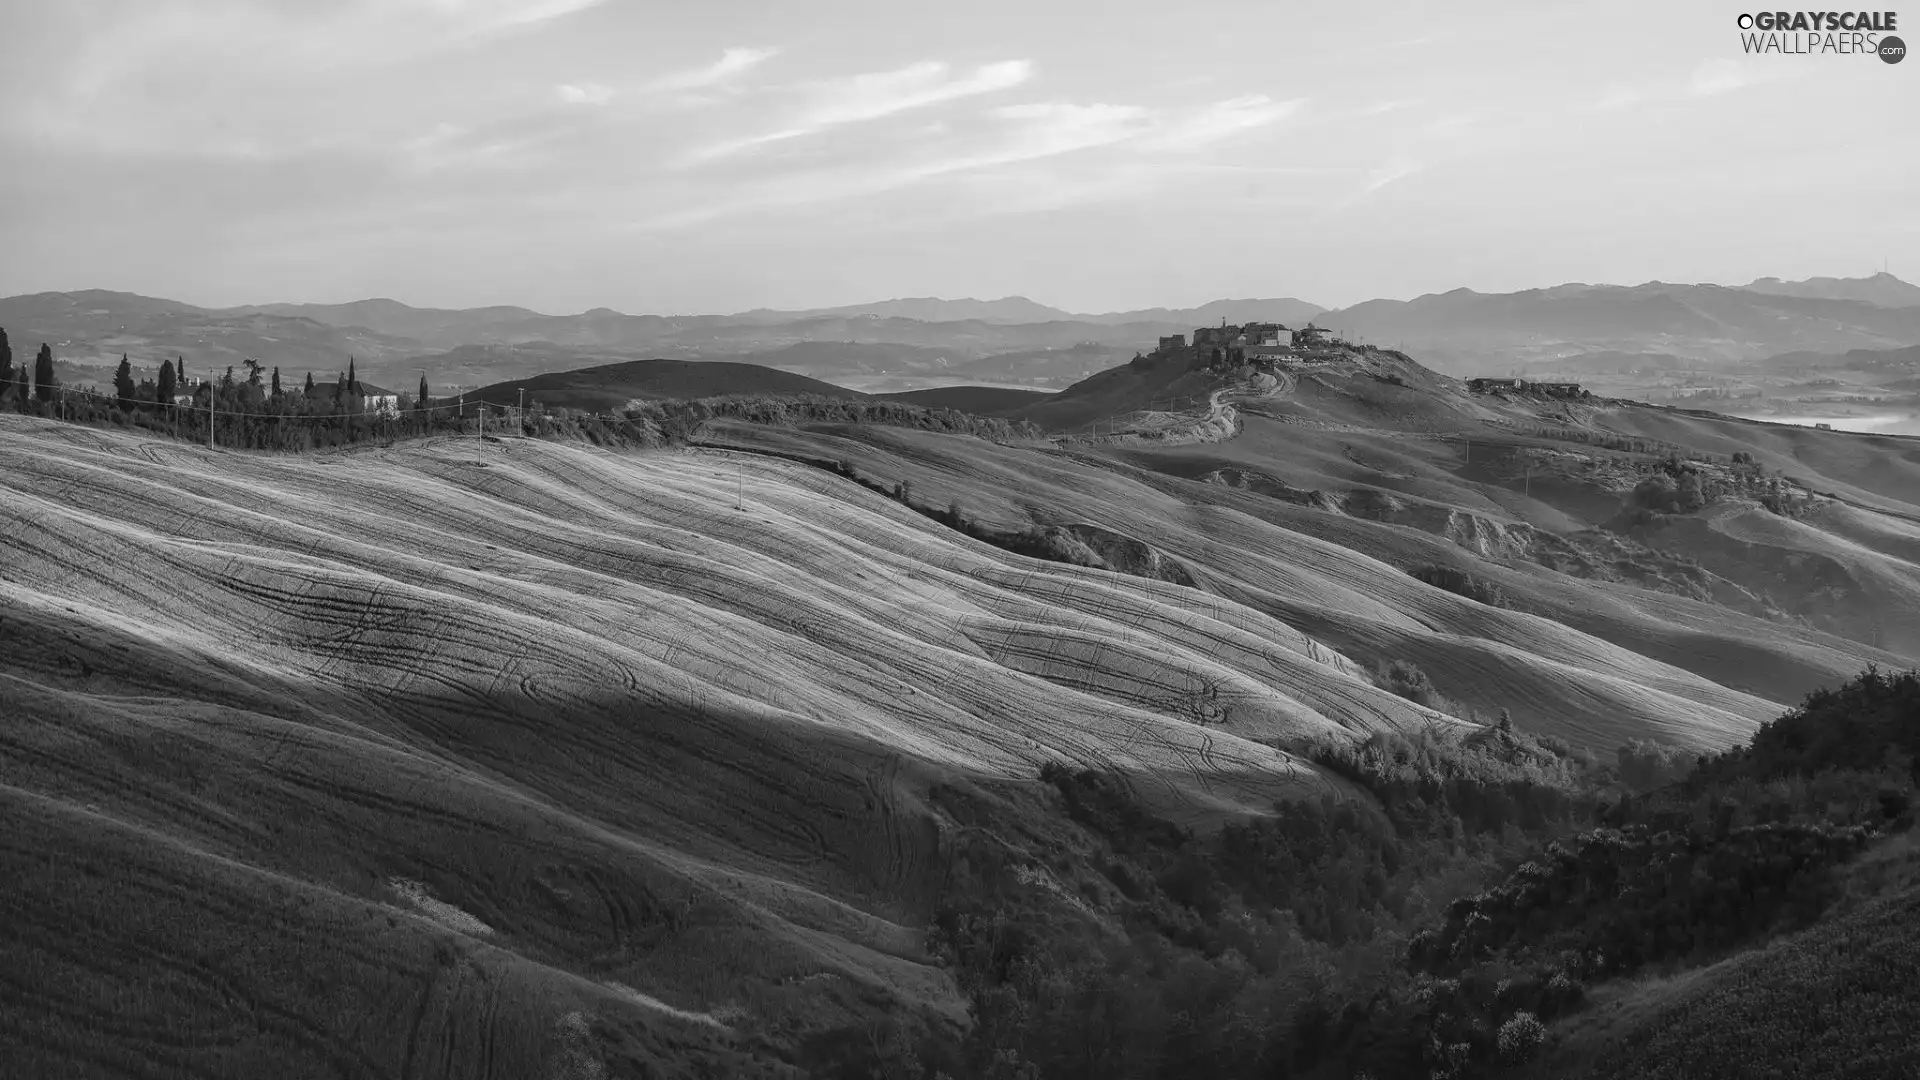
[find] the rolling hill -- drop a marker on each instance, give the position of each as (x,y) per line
(521,757)
(609,387)
(979,400)
(463,730)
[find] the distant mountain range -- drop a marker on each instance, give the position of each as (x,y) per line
(1460,331)
(1882,288)
(1464,329)
(1018,310)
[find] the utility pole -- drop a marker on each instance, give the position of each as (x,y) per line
(522,414)
(739,484)
(211,389)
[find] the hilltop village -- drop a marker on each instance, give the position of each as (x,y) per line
(1266,346)
(1256,343)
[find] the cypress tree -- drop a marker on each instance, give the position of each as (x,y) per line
(123,383)
(423,391)
(6,363)
(43,374)
(353,381)
(169,385)
(276,382)
(309,390)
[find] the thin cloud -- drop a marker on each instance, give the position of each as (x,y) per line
(1723,75)
(1026,132)
(584,93)
(491,16)
(1712,78)
(871,96)
(1439,138)
(1223,120)
(1396,168)
(732,64)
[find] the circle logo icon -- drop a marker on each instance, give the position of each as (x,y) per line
(1892,50)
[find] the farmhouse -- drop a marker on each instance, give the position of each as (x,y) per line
(375,400)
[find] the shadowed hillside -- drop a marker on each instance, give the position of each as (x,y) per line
(531,758)
(980,400)
(528,729)
(609,388)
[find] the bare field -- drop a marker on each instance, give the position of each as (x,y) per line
(1666,666)
(563,709)
(542,760)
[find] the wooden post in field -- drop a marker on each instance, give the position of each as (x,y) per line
(739,484)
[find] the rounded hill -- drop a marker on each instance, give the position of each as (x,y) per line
(611,386)
(980,400)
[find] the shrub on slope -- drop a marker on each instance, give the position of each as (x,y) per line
(1461,583)
(1746,847)
(1120,945)
(1835,1001)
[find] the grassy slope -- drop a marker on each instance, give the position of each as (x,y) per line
(979,400)
(608,388)
(1616,662)
(514,674)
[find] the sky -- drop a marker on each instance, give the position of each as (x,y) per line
(662,156)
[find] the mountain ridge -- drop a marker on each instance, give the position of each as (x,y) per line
(1456,331)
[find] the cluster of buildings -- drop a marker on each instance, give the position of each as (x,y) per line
(1527,386)
(1253,342)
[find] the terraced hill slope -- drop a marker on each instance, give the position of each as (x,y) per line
(468,729)
(520,758)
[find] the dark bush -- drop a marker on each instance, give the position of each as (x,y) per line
(1461,583)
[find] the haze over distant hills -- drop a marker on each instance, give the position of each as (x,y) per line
(1460,331)
(1882,288)
(1701,322)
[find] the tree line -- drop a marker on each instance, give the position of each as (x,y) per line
(252,408)
(248,407)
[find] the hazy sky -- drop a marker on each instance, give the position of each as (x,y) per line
(720,155)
